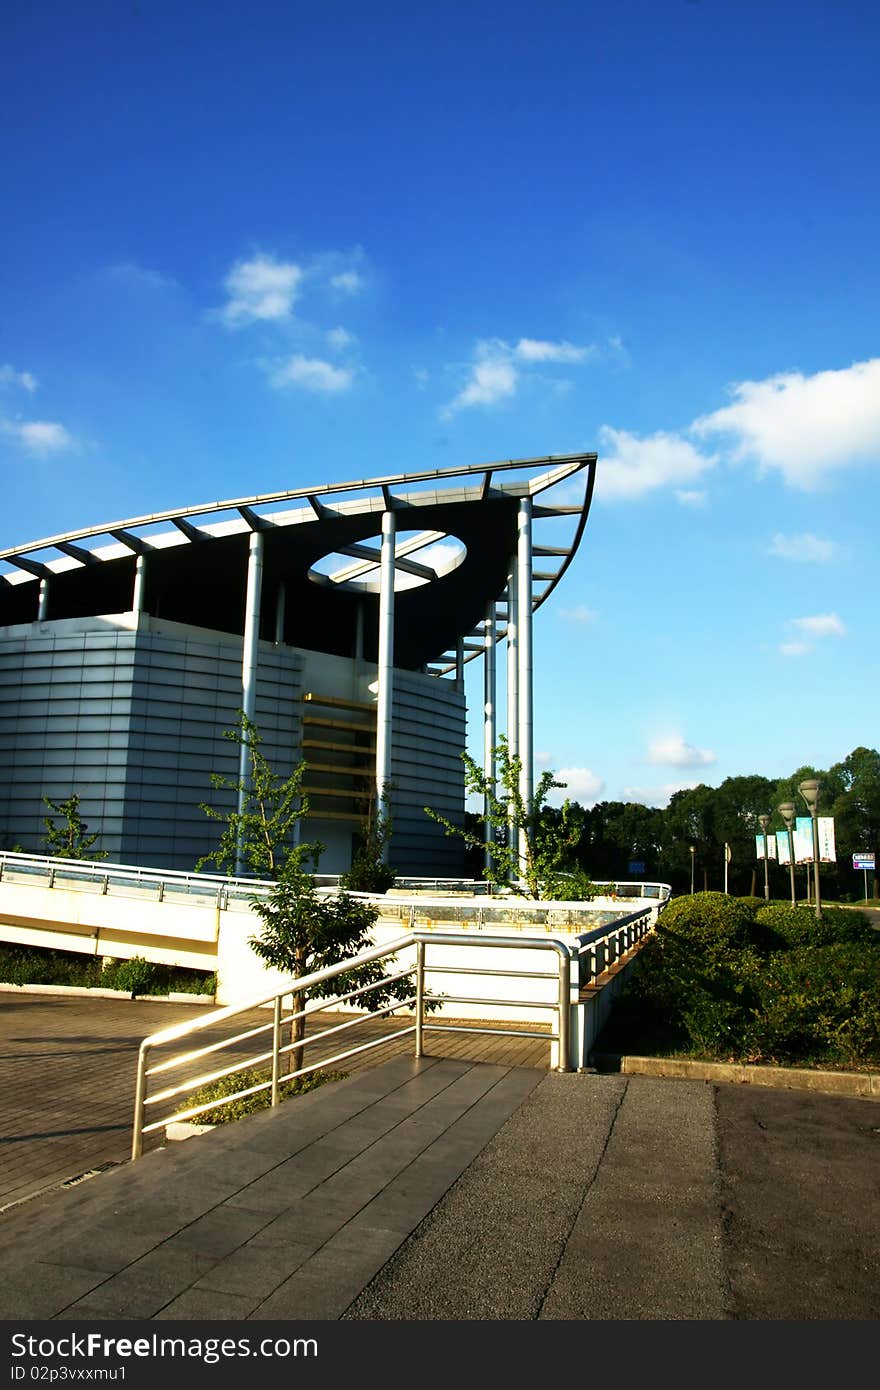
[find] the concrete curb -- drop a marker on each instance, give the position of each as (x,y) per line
(83,992)
(835,1083)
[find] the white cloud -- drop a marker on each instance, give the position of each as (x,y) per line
(804,546)
(349,281)
(491,380)
(579,614)
(536,350)
(340,338)
(10,377)
(806,426)
(820,625)
(795,648)
(496,373)
(40,437)
(138,276)
(691,498)
(581,784)
(633,467)
(261,289)
(656,796)
(672,751)
(543,759)
(312,374)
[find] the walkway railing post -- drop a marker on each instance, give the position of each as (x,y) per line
(420,995)
(564,1029)
(276,1049)
(140,1095)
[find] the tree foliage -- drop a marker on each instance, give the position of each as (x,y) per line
(532,847)
(304,929)
(69,838)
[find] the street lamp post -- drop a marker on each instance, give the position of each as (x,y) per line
(787,810)
(810,792)
(692,849)
(764,821)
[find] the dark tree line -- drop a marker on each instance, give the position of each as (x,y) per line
(617,834)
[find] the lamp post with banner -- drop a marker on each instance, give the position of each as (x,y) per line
(693,850)
(787,812)
(764,821)
(809,790)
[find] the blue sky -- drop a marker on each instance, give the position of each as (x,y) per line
(247,248)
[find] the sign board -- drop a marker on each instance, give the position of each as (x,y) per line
(803,840)
(782,851)
(864,861)
(771,846)
(636,866)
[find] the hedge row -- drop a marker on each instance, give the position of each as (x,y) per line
(727,979)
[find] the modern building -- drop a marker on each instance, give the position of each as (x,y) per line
(338,617)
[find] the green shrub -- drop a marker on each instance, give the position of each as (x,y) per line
(33,965)
(819,1003)
(711,920)
(248,1105)
(134,976)
(784,926)
(37,965)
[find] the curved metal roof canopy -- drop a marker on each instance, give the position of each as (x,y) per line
(456,529)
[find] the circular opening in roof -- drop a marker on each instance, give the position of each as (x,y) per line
(419,558)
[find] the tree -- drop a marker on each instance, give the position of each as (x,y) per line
(264,833)
(304,929)
(545,865)
(856,809)
(370,871)
(69,839)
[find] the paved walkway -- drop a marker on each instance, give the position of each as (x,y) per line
(456,1190)
(67,1078)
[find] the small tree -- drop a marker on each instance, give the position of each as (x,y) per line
(545,865)
(370,872)
(304,930)
(69,839)
(264,833)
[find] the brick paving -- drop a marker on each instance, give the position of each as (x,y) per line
(67,1077)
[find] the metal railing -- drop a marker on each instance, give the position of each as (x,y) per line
(596,951)
(220,890)
(270,1033)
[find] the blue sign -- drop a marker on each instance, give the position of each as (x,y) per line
(636,866)
(863,861)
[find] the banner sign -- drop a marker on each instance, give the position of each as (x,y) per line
(771,846)
(803,840)
(782,853)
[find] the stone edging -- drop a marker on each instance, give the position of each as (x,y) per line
(83,992)
(837,1083)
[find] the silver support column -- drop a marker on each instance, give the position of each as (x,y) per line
(385,661)
(280,611)
(489,720)
(459,663)
(43,601)
(512,676)
(140,582)
(524,653)
(512,661)
(359,631)
(249,657)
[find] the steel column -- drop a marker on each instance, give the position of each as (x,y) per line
(489,718)
(280,613)
(385,660)
(525,741)
(140,583)
(43,601)
(249,660)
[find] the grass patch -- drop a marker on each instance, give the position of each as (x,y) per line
(249,1105)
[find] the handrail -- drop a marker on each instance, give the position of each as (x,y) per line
(420,940)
